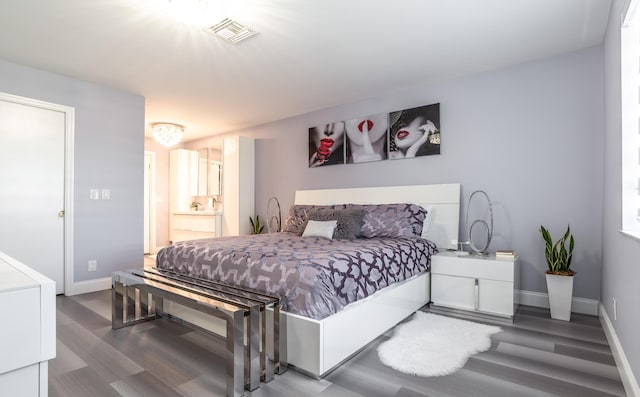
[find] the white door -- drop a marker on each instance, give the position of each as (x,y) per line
(147,206)
(32,150)
(149,202)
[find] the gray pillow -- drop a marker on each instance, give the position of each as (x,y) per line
(391,220)
(349,221)
(297,219)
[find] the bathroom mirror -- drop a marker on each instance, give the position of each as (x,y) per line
(203,162)
(206,170)
(215,170)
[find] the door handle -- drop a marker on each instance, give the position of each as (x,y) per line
(477,297)
(61,214)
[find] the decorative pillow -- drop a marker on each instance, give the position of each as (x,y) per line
(320,229)
(427,220)
(349,220)
(392,220)
(297,219)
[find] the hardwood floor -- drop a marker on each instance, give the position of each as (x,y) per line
(536,356)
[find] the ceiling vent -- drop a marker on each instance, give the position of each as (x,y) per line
(231,31)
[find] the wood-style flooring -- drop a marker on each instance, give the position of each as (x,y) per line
(536,356)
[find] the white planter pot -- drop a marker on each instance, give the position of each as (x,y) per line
(560,290)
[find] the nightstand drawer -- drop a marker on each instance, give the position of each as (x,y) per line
(473,267)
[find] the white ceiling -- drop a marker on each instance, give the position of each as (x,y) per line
(309,54)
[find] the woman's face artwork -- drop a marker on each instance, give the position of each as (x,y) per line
(409,133)
(327,138)
(375,125)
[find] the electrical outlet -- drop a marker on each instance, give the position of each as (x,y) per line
(94,194)
(93,265)
(615,309)
(106,194)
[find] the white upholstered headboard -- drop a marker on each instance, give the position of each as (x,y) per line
(444,201)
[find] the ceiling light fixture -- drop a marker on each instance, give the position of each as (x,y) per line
(231,31)
(167,134)
(202,14)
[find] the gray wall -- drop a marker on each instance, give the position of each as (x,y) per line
(620,271)
(530,135)
(108,153)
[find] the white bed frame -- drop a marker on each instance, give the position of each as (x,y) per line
(316,347)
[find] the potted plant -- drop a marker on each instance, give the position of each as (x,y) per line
(256,226)
(559,276)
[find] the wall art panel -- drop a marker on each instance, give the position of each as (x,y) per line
(401,134)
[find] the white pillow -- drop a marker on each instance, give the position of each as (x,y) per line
(320,229)
(427,220)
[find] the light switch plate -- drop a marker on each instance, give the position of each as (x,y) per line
(94,194)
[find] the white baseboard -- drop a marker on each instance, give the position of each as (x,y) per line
(624,368)
(84,287)
(540,299)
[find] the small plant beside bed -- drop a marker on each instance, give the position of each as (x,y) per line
(256,226)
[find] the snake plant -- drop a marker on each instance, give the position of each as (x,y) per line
(557,254)
(256,226)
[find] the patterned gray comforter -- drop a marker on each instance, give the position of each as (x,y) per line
(315,277)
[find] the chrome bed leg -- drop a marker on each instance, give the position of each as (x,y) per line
(122,296)
(137,309)
(279,341)
(146,300)
(235,354)
(117,307)
(266,367)
(252,362)
(125,304)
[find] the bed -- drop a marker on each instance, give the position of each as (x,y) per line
(330,313)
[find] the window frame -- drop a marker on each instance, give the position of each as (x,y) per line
(630,119)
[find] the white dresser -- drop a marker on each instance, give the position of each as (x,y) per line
(481,284)
(194,225)
(28,331)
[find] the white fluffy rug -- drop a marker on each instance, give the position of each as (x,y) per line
(433,345)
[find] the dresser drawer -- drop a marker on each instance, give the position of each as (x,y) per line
(199,223)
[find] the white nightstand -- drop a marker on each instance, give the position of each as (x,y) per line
(480,284)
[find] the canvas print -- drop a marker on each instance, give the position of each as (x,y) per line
(403,134)
(414,132)
(326,144)
(367,138)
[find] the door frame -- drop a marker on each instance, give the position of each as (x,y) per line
(152,199)
(69,122)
